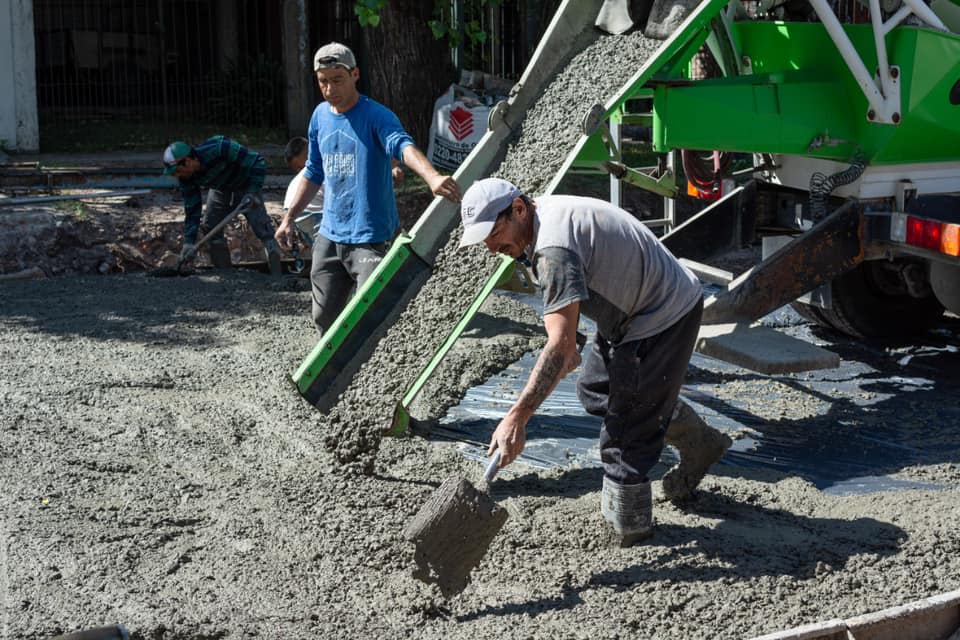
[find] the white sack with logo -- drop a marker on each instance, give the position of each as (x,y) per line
(459,121)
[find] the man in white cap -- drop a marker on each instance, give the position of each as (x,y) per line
(591,257)
(352,142)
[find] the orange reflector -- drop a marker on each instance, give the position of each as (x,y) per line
(950,240)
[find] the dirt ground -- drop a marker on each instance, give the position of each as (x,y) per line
(124,234)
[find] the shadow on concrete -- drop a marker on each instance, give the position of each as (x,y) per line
(749,541)
(136,308)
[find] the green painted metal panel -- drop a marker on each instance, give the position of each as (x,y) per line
(755,113)
(361,302)
(593,152)
(801,90)
(930,65)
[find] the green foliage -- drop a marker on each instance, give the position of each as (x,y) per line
(368,11)
(442,25)
(73,208)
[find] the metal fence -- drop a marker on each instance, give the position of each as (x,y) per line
(512,30)
(158,69)
(159,60)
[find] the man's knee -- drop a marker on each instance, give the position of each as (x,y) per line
(256,214)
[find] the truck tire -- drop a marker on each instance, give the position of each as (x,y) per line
(811,313)
(862,308)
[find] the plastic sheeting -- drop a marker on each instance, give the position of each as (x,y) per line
(846,430)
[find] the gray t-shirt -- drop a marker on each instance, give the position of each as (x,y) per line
(588,251)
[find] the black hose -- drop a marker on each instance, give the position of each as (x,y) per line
(821,186)
(700,173)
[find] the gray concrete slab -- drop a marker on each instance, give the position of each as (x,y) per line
(762,349)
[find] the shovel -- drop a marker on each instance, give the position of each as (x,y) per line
(453,530)
(178,269)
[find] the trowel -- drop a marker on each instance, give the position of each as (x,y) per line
(453,530)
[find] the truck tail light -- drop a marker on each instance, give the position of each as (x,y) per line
(937,236)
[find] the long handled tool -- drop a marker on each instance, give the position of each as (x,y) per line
(178,269)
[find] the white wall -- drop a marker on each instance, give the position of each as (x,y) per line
(19,128)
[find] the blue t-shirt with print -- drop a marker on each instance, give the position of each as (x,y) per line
(350,155)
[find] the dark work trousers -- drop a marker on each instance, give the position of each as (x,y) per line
(221,203)
(338,269)
(634,387)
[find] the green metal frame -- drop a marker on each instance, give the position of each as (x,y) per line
(352,314)
(401,416)
(801,93)
(801,98)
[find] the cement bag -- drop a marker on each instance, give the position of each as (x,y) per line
(459,121)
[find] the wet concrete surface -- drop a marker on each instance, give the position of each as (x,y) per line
(159,471)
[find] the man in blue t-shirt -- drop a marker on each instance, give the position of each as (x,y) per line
(352,143)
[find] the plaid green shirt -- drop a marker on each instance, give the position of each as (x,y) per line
(227,166)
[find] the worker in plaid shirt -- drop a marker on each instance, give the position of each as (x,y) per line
(233,175)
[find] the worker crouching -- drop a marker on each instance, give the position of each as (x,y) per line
(591,257)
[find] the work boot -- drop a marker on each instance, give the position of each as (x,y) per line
(219,255)
(629,510)
(699,444)
(272,249)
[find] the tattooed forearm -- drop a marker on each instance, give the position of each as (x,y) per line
(544,377)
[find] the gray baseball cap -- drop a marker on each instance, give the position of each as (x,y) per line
(481,205)
(334,55)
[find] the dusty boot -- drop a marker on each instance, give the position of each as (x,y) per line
(219,255)
(629,510)
(699,444)
(272,249)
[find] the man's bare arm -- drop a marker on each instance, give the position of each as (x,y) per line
(306,190)
(558,358)
(440,185)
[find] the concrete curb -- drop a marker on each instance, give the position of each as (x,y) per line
(933,618)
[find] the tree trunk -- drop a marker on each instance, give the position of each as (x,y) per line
(407,69)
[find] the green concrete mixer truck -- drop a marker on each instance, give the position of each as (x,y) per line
(827,135)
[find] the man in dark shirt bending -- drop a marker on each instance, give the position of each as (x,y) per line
(234,176)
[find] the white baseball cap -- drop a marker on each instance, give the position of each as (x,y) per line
(481,205)
(334,55)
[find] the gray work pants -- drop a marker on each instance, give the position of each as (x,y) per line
(221,203)
(338,269)
(634,387)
